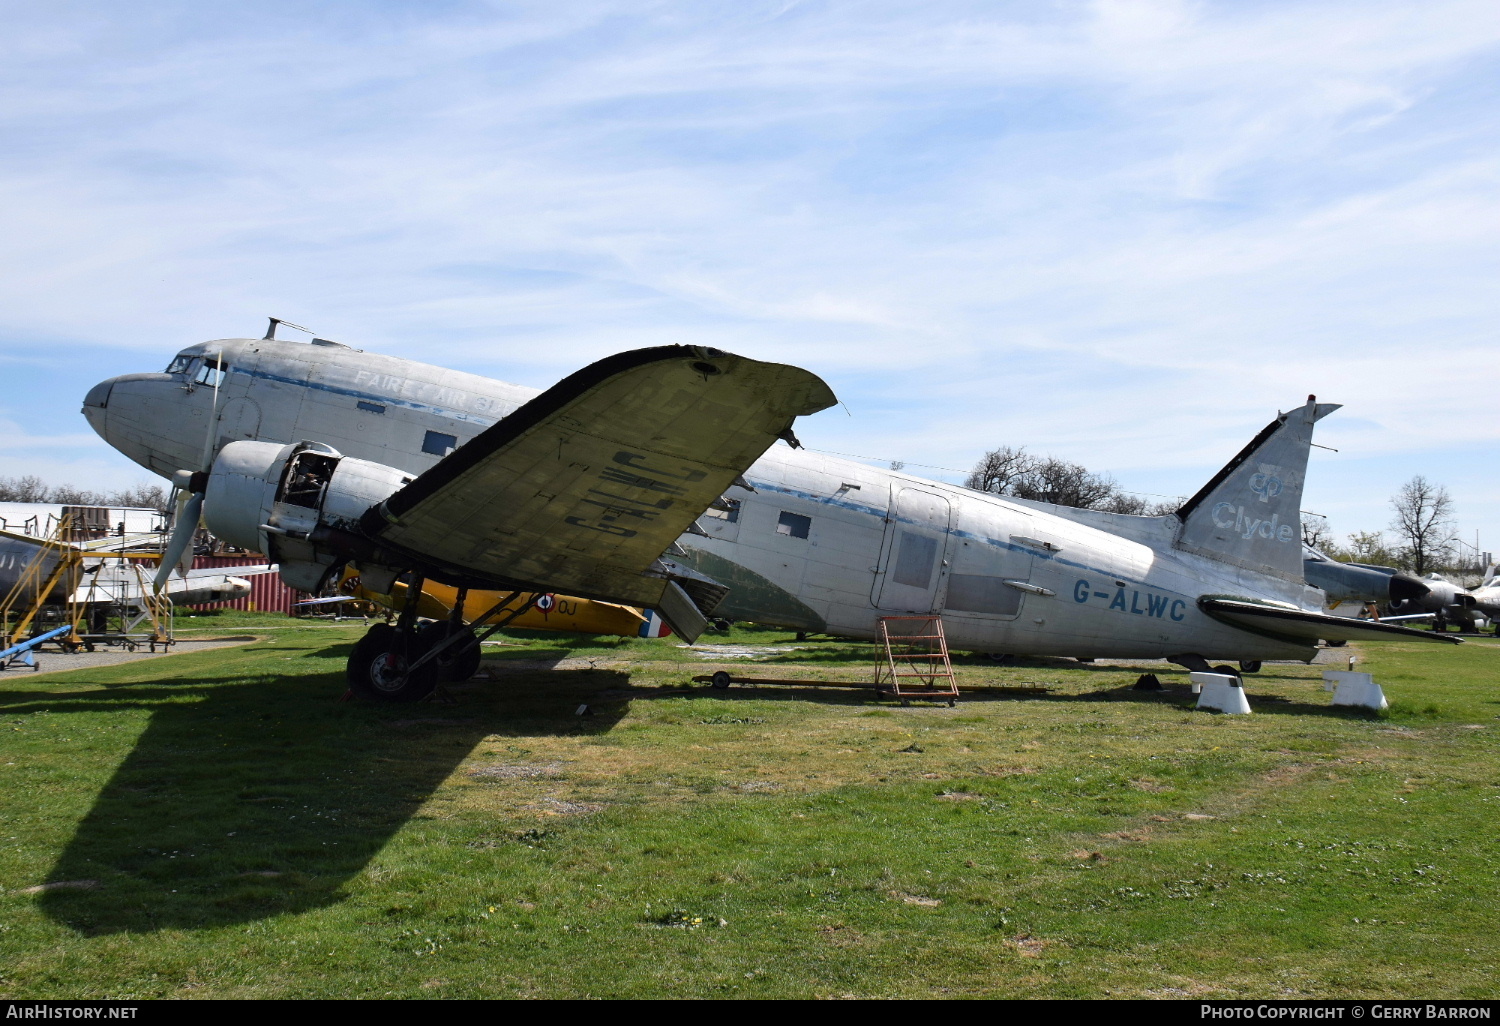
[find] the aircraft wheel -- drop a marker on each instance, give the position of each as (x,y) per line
(720,680)
(459,661)
(1249,665)
(1226,670)
(378,667)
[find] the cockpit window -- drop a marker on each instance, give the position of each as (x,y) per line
(180,364)
(211,373)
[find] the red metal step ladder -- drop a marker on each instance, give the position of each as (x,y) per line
(916,660)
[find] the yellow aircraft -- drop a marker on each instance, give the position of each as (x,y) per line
(459,659)
(549,613)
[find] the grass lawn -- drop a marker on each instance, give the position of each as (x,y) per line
(220,824)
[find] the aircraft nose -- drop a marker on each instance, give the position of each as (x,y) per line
(98,396)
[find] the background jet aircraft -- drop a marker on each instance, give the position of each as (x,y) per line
(1359,583)
(1487,597)
(1443,603)
(650,479)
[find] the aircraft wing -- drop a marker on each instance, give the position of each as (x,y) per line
(232,571)
(581,489)
(1298,623)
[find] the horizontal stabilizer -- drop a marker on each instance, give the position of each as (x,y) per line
(1298,623)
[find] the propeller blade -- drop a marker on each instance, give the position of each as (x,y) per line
(179,545)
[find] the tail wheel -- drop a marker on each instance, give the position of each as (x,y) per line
(380,666)
(460,660)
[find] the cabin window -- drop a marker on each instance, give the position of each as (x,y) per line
(439,444)
(211,374)
(180,364)
(732,514)
(794,524)
(915,562)
(372,407)
(972,593)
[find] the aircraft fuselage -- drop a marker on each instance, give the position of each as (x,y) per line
(818,543)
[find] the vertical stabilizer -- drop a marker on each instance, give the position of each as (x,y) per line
(1250,513)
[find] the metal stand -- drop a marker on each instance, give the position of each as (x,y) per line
(916,659)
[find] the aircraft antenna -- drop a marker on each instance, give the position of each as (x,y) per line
(270,334)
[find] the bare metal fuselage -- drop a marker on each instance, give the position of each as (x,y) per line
(819,544)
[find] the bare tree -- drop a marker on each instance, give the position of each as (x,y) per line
(1424,520)
(142,496)
(33,489)
(997,468)
(69,495)
(1014,471)
(29,488)
(1316,532)
(1064,484)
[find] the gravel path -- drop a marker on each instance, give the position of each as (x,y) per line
(60,662)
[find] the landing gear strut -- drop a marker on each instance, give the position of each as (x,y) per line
(402,663)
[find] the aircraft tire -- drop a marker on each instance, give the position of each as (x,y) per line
(377,667)
(1226,670)
(459,662)
(1249,665)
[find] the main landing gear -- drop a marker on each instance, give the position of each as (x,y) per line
(383,665)
(406,661)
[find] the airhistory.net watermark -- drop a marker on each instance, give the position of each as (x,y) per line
(49,1011)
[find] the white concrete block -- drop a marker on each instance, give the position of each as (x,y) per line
(1361,693)
(1333,678)
(1221,692)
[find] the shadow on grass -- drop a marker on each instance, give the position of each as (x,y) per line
(266,796)
(1173,694)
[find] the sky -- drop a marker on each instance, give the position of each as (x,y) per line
(1123,232)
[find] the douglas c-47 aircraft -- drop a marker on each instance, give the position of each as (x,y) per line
(652,479)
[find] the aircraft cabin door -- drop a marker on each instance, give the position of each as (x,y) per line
(916,544)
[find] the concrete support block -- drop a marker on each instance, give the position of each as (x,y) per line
(1220,692)
(1357,689)
(1333,678)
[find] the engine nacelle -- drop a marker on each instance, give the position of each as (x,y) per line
(272,498)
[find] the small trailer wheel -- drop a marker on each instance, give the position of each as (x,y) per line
(721,680)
